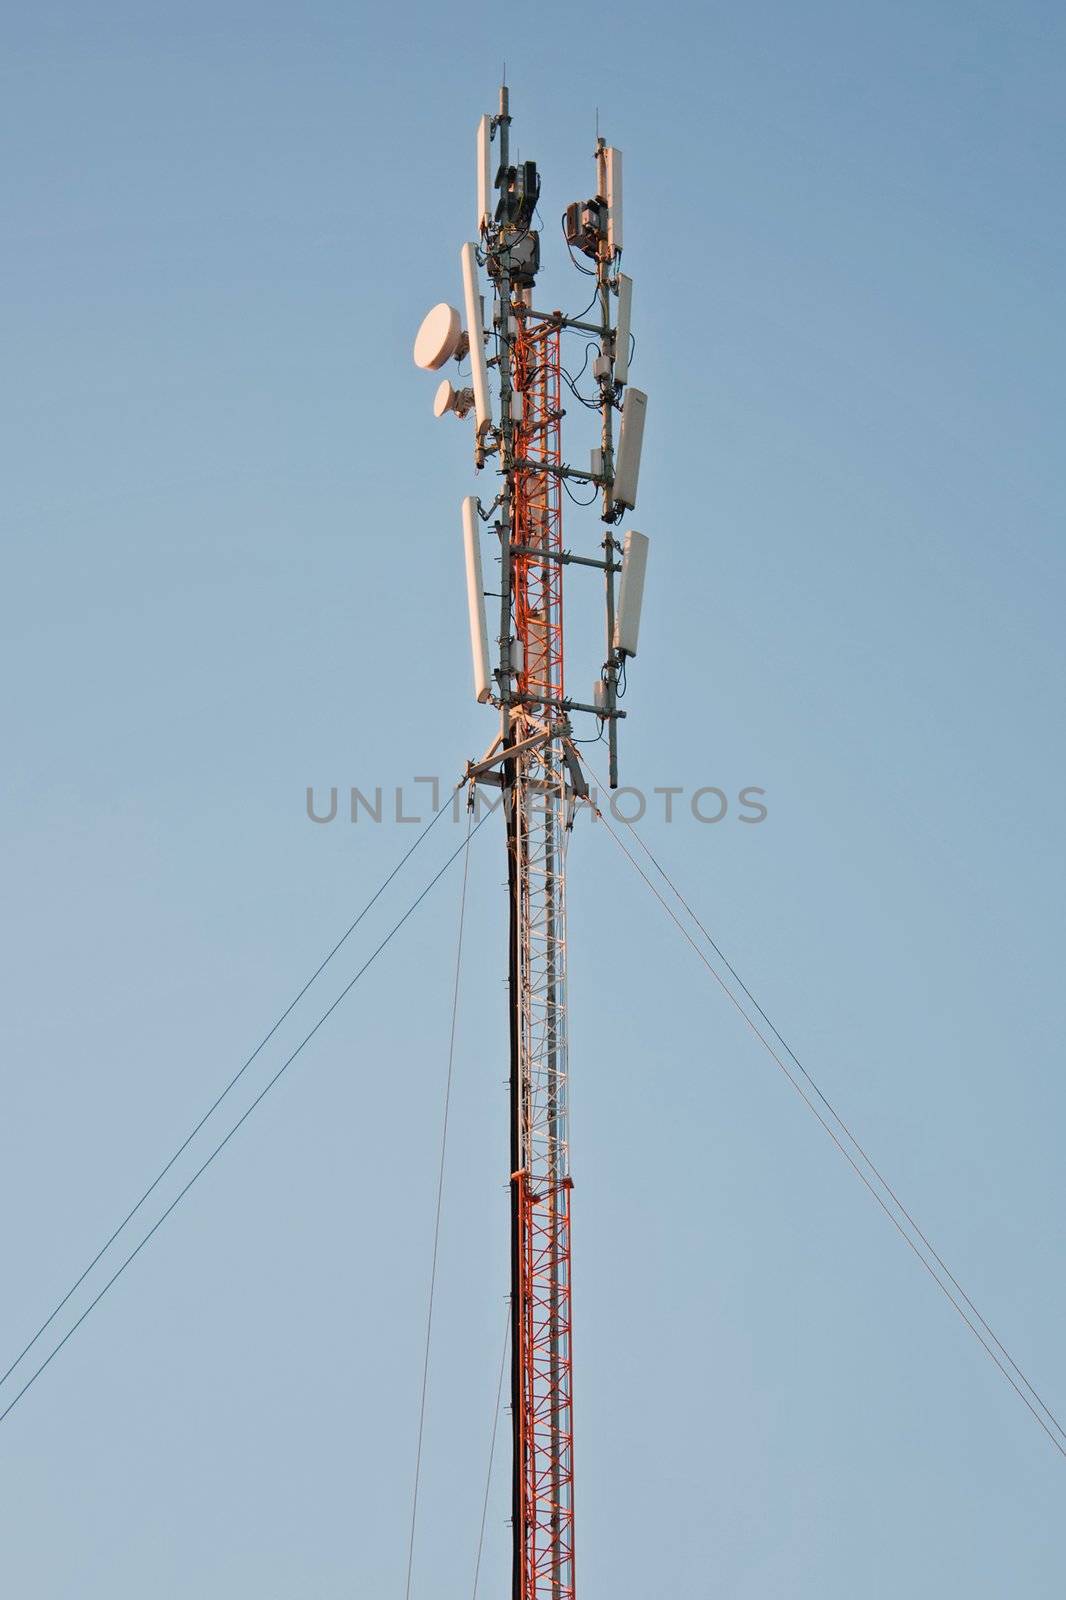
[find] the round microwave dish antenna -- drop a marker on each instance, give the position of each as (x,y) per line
(438,338)
(444,399)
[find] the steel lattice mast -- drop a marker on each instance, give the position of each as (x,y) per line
(533,759)
(540,1182)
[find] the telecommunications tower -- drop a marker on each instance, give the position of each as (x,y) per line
(517,353)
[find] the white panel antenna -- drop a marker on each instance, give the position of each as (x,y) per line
(484,174)
(631,439)
(631,592)
(614,199)
(475,596)
(621,338)
(479,372)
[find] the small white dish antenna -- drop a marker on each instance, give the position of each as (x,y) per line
(439,337)
(448,398)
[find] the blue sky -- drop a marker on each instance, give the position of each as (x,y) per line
(232,568)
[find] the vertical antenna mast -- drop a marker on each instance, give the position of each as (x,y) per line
(533,759)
